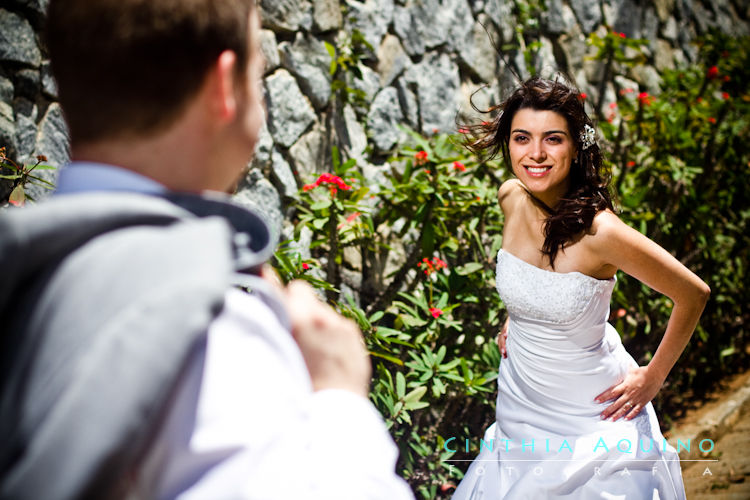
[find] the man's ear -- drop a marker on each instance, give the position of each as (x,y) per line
(223,86)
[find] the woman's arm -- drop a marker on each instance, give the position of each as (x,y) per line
(615,243)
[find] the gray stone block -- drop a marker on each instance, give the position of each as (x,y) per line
(289,111)
(258,194)
(371,18)
(404,26)
(49,85)
(270,50)
(438,84)
(6,90)
(477,51)
(282,173)
(326,15)
(308,154)
(285,15)
(392,60)
(385,114)
(501,13)
(588,12)
(309,61)
(17,40)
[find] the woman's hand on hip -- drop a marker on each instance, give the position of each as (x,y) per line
(630,396)
(502,339)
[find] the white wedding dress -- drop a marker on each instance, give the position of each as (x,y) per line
(549,441)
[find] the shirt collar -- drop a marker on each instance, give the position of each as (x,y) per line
(80,176)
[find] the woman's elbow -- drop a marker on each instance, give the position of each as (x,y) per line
(704,292)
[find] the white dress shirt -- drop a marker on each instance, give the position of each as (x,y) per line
(245,423)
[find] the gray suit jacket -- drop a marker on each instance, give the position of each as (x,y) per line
(105,297)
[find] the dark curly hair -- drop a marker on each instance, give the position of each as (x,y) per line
(589,190)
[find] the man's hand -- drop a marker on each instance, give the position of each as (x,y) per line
(332,345)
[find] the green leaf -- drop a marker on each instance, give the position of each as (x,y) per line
(469,268)
(400,385)
(415,394)
(320,205)
(388,357)
(319,223)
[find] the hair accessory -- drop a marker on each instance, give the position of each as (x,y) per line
(588,136)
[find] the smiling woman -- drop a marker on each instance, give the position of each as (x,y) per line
(565,374)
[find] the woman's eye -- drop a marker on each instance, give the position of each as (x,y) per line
(554,139)
(520,138)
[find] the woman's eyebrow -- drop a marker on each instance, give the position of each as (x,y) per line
(548,132)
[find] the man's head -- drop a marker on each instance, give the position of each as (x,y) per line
(129,68)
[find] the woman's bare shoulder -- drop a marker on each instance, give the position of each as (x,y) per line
(509,190)
(604,221)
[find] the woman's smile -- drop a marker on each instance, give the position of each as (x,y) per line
(538,171)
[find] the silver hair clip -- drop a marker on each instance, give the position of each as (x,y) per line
(588,136)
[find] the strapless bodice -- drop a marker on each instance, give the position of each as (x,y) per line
(561,299)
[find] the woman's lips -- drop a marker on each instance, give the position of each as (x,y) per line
(539,171)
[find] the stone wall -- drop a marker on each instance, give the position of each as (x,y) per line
(427,58)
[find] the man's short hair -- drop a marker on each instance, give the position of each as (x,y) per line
(129,67)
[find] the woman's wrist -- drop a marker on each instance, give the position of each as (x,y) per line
(656,373)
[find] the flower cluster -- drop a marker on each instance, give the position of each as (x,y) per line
(457,165)
(436,313)
(645,99)
(420,158)
(429,266)
(334,182)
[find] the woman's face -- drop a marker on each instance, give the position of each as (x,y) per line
(541,151)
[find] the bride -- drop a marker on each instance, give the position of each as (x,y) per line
(574,417)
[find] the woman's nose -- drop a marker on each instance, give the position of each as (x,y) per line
(537,152)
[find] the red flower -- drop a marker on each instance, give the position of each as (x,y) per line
(700,99)
(726,78)
(631,163)
(305,266)
(420,158)
(457,165)
(582,95)
(711,119)
(621,312)
(645,99)
(431,265)
(446,486)
(622,35)
(334,182)
(713,72)
(724,95)
(612,105)
(463,130)
(436,313)
(349,220)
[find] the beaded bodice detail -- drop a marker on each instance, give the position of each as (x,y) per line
(532,293)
